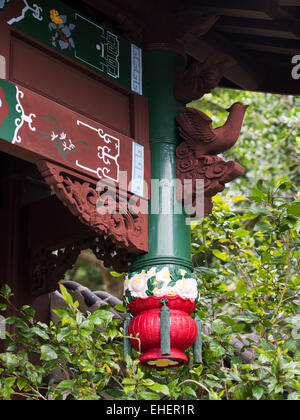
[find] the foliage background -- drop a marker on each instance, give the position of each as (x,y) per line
(247,257)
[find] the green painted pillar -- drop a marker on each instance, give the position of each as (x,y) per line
(169,235)
(161,290)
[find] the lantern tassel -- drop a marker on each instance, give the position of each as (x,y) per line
(198,344)
(165,342)
(127,349)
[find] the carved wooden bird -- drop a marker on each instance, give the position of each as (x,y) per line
(196,129)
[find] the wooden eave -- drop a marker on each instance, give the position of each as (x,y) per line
(261,36)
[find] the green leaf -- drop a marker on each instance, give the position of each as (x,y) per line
(216,349)
(294,320)
(160,388)
(9,382)
(115,274)
(294,209)
(238,199)
(204,271)
(6,291)
(190,391)
(294,396)
(62,312)
(48,353)
(21,382)
(263,227)
(120,308)
(9,360)
(67,385)
(79,317)
(145,395)
(218,326)
(28,310)
(241,288)
(257,195)
(128,388)
(66,295)
(101,316)
(40,333)
(129,381)
(147,382)
(242,233)
(258,391)
(291,344)
(221,255)
(262,187)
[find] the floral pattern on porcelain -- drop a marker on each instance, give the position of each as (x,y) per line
(161,282)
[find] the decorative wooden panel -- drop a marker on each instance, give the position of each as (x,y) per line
(59,27)
(60,81)
(65,101)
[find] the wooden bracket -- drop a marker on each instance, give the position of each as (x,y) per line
(197,156)
(200,78)
(48,266)
(81,196)
(114,234)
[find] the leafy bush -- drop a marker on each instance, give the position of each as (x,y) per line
(249,266)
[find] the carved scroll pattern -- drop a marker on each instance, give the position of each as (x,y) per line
(214,171)
(49,266)
(124,230)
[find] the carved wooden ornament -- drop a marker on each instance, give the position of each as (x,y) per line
(48,266)
(61,28)
(86,153)
(200,78)
(110,217)
(196,156)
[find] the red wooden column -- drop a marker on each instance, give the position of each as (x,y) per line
(14,245)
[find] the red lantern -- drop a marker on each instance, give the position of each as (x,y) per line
(161,301)
(146,325)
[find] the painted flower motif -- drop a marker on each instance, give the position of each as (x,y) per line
(161,283)
(126,283)
(54,16)
(4,108)
(170,291)
(137,285)
(62,31)
(151,272)
(163,291)
(187,288)
(61,138)
(164,275)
